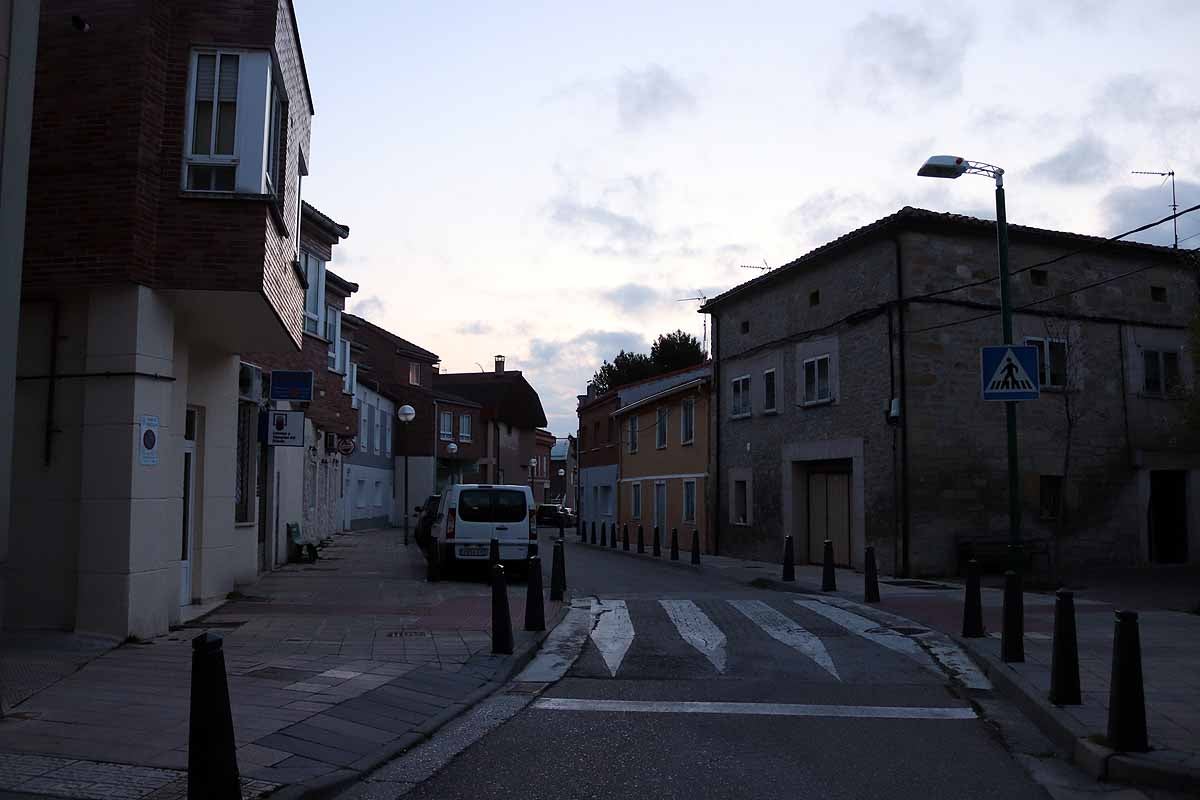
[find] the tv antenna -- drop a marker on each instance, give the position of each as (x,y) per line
(1174,205)
(764,268)
(699,296)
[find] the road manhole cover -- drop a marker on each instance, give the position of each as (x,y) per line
(407,634)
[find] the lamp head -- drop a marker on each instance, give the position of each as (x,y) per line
(943,167)
(406,413)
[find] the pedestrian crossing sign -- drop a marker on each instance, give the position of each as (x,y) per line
(1009,372)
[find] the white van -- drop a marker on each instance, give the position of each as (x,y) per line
(472,514)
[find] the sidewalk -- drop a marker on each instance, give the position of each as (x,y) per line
(333,667)
(1170,659)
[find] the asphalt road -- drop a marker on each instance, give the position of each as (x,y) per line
(829,706)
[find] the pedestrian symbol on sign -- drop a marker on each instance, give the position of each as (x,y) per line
(1009,372)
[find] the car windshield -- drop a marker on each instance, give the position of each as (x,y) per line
(491,505)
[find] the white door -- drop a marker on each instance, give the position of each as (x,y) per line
(660,506)
(189,505)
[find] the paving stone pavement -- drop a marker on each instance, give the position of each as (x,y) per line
(329,665)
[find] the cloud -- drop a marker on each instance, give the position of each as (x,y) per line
(1129,207)
(650,95)
(1085,160)
(890,55)
(474,329)
(369,307)
(608,231)
(1138,98)
(829,214)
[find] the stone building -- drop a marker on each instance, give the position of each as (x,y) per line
(848,401)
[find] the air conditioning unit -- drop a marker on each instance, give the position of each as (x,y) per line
(250,383)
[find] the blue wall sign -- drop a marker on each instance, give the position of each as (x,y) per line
(294,385)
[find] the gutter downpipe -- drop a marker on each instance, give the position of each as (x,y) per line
(905,492)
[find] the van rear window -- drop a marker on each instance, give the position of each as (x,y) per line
(491,505)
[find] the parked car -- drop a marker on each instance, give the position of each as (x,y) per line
(569,519)
(471,515)
(426,514)
(550,514)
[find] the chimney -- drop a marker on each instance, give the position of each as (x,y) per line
(499,363)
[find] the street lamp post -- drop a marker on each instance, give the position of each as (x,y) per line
(406,414)
(952,167)
(532,468)
(562,474)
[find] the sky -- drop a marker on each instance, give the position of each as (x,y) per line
(550,182)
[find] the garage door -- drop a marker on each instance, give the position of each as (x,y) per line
(829,516)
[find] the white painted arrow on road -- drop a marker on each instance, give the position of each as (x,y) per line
(697,630)
(613,633)
(786,630)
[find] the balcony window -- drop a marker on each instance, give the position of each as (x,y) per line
(314,296)
(464,428)
(687,423)
(446,431)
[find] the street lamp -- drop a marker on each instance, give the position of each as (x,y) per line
(452,451)
(532,468)
(562,474)
(952,167)
(406,414)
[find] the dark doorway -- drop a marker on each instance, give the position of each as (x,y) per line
(829,512)
(1168,517)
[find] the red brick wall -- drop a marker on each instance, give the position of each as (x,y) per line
(330,409)
(598,451)
(467,451)
(389,370)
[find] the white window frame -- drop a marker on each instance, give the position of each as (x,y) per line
(446,426)
(1042,343)
(774,396)
(687,417)
(689,517)
(210,160)
(311,265)
(362,428)
(632,433)
(276,124)
(414,373)
(464,427)
(662,420)
(636,501)
(743,409)
(378,427)
(333,318)
(817,399)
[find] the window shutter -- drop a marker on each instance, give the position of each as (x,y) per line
(229,79)
(206,76)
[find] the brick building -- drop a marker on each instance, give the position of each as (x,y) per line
(598,458)
(162,240)
(459,443)
(564,458)
(540,480)
(848,403)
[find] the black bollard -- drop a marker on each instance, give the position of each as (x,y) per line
(433,571)
(558,574)
(828,576)
(603,536)
(612,540)
(561,529)
(1064,658)
(674,544)
(1012,634)
(1126,695)
(695,547)
(657,545)
(641,540)
(502,635)
(593,531)
(494,552)
(535,608)
(871,593)
(789,560)
(973,604)
(212,751)
(625,538)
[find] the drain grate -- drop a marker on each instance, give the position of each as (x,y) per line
(915,584)
(407,634)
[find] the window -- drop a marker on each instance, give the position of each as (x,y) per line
(211,159)
(1158,294)
(414,374)
(660,429)
(247,452)
(464,427)
(1161,370)
(741,397)
(1052,361)
(814,297)
(1050,496)
(636,499)
(745,326)
(740,503)
(446,429)
(314,295)
(1038,277)
(333,326)
(273,167)
(689,501)
(362,428)
(816,380)
(769,390)
(378,493)
(687,421)
(606,500)
(387,434)
(633,433)
(378,428)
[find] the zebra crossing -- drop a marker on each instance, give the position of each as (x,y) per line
(645,637)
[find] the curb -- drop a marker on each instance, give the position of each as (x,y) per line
(329,785)
(1098,761)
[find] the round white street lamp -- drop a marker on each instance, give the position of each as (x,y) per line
(406,414)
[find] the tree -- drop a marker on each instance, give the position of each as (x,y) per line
(624,368)
(677,350)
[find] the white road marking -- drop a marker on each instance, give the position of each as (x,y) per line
(870,630)
(786,630)
(561,647)
(754,709)
(697,630)
(613,632)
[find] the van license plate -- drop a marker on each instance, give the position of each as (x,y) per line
(468,551)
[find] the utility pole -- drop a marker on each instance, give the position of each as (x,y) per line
(1174,205)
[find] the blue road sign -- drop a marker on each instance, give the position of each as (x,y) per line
(1009,372)
(294,385)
